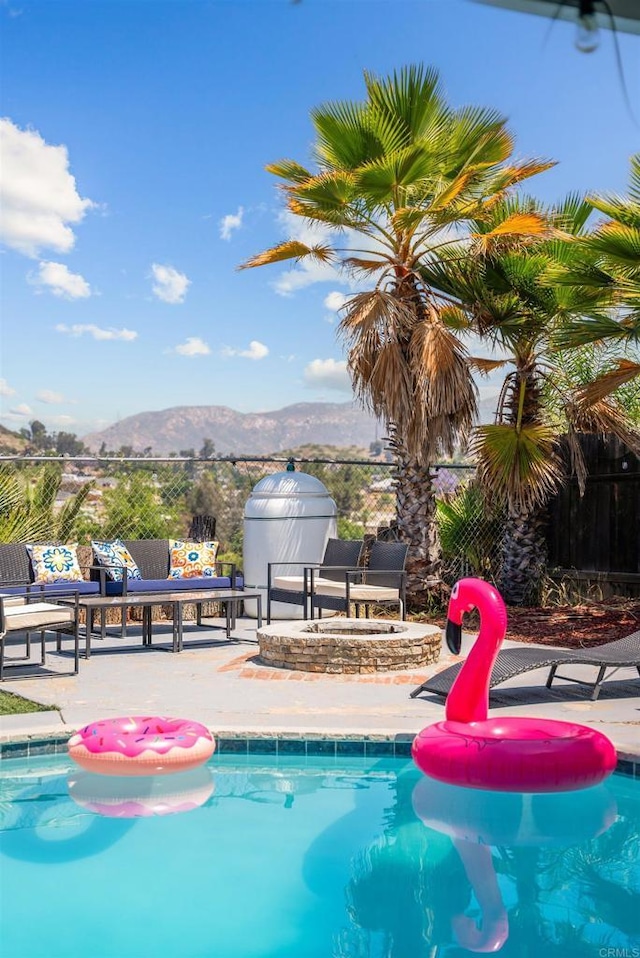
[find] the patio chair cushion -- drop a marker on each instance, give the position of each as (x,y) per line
(37,615)
(358,592)
(113,555)
(189,560)
(55,563)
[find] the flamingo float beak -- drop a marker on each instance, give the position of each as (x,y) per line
(453,636)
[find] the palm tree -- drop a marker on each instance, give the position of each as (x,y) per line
(611,264)
(27,505)
(398,175)
(503,292)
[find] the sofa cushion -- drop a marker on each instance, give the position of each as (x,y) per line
(191,560)
(173,585)
(113,555)
(54,588)
(54,563)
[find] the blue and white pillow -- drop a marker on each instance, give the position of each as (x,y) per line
(114,555)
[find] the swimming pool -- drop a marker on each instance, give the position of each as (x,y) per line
(311,857)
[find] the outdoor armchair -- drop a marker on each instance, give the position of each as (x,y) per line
(340,556)
(24,613)
(380,582)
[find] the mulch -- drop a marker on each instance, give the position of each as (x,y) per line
(574,627)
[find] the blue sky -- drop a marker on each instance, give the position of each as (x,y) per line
(135,136)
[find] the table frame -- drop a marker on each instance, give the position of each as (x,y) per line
(228,598)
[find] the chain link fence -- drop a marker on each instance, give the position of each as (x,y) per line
(79,499)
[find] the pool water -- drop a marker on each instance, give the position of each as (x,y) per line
(310,858)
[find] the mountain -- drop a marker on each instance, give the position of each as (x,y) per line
(249,434)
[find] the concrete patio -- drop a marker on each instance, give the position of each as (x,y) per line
(221,683)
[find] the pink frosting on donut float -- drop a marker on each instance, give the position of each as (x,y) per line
(141,745)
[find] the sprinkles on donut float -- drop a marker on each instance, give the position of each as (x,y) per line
(141,745)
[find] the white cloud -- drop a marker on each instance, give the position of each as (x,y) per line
(38,194)
(61,282)
(6,389)
(170,285)
(327,374)
(231,222)
(61,420)
(20,411)
(78,329)
(194,346)
(48,396)
(335,301)
(256,350)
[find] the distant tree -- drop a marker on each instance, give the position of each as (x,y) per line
(208,450)
(135,509)
(68,444)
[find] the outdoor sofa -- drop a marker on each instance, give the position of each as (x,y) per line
(152,557)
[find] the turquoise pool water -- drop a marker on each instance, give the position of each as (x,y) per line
(311,858)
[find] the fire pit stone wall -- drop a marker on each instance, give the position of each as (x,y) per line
(349,645)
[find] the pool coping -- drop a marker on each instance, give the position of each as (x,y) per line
(304,744)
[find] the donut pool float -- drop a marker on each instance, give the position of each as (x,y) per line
(141,745)
(141,797)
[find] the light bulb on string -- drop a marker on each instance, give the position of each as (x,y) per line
(587,31)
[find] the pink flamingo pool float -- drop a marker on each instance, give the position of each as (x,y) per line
(502,754)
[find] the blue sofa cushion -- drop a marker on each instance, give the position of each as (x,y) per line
(174,585)
(60,588)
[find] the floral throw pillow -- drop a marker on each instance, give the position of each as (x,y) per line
(113,555)
(188,560)
(55,563)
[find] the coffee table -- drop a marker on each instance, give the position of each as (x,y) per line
(228,598)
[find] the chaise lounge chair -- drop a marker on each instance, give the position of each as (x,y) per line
(621,654)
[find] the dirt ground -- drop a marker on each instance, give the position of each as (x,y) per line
(574,627)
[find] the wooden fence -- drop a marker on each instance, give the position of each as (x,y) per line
(595,538)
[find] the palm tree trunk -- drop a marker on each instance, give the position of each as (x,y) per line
(524,554)
(416,525)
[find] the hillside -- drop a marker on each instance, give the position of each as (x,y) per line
(11,444)
(257,434)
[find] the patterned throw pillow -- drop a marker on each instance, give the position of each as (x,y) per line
(55,563)
(115,553)
(190,559)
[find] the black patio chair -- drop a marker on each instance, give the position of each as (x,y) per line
(340,555)
(380,582)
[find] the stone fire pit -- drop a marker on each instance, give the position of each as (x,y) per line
(349,645)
